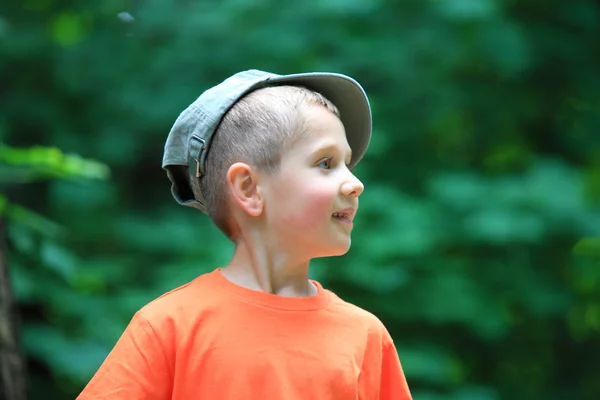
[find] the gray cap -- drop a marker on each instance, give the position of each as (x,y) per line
(189,140)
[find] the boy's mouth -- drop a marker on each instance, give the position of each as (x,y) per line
(345,215)
(341,216)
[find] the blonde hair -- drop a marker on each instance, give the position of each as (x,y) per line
(256,130)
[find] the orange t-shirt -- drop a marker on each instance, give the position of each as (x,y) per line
(212,339)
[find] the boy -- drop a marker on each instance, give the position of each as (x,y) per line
(268,158)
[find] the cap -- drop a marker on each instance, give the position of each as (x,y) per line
(189,140)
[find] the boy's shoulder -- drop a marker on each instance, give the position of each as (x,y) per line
(360,316)
(180,302)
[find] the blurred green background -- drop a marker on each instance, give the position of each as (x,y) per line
(478,238)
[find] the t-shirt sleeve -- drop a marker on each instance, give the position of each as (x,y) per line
(137,368)
(393,384)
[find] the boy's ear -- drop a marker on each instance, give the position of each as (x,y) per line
(242,181)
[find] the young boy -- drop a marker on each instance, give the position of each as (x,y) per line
(268,158)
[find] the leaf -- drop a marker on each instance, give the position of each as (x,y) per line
(58,259)
(67,29)
(467,9)
(46,162)
(30,219)
(76,358)
(426,363)
(502,226)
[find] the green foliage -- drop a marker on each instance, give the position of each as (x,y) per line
(477,242)
(27,165)
(37,163)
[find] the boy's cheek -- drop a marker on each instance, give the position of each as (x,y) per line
(303,214)
(317,208)
(304,207)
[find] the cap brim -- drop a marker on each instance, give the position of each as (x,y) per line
(350,99)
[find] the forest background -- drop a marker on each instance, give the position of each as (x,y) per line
(478,238)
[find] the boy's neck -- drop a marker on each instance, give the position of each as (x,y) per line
(259,268)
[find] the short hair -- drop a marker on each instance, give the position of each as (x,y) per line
(256,130)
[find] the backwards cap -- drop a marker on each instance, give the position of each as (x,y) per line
(190,137)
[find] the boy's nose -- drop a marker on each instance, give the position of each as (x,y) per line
(352,187)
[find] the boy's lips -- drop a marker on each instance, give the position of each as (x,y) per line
(345,214)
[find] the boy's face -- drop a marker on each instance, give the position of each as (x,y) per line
(313,185)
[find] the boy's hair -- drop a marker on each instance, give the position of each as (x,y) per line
(256,130)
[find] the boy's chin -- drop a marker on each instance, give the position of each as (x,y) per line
(336,251)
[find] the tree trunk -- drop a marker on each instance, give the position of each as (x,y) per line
(12,368)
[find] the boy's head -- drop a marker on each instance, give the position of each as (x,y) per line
(256,121)
(257,131)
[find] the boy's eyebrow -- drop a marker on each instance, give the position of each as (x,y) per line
(333,147)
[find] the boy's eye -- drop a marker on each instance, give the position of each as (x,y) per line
(325,163)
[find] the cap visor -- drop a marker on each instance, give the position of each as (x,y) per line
(350,99)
